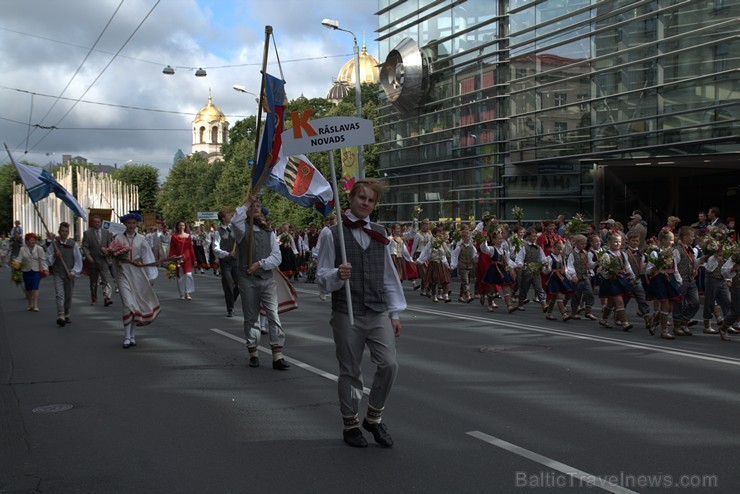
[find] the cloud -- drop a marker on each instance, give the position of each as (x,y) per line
(43,43)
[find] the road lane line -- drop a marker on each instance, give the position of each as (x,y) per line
(600,339)
(297,363)
(580,475)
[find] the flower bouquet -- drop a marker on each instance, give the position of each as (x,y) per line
(609,266)
(516,242)
(517,213)
(456,236)
(285,239)
(711,246)
(117,250)
(417,211)
(437,243)
(534,268)
(16,276)
(664,259)
(576,225)
(171,269)
(478,237)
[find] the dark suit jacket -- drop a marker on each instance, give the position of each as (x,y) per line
(91,246)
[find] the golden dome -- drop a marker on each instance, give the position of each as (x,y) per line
(338,91)
(368,69)
(210,113)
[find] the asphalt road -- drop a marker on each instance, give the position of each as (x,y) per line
(483,402)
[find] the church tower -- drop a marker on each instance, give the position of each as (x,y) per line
(210,131)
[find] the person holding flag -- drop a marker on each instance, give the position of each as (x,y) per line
(377,300)
(65,261)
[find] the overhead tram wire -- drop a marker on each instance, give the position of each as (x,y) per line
(79,67)
(101,73)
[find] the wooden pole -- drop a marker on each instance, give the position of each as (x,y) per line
(340,230)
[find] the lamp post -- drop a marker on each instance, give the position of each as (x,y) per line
(334,24)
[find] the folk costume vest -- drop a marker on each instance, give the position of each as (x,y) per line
(262,248)
(68,256)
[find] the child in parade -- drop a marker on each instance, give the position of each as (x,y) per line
(687,264)
(438,270)
(558,285)
(399,252)
(615,287)
(422,238)
(637,262)
(716,292)
(579,269)
(531,259)
(663,285)
(464,258)
(499,272)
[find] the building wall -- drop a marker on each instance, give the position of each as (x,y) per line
(526,100)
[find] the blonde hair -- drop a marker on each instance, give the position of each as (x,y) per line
(374,184)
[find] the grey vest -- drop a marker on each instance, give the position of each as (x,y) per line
(580,266)
(465,260)
(368,267)
(68,256)
(685,265)
(262,249)
(532,253)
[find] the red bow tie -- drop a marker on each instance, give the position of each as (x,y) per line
(378,237)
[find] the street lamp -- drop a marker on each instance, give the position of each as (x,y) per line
(334,24)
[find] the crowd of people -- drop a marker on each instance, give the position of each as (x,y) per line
(582,271)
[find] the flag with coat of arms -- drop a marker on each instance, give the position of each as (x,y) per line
(296,179)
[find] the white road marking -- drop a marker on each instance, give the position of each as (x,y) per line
(580,475)
(297,363)
(569,334)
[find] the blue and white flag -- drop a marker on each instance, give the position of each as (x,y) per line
(39,184)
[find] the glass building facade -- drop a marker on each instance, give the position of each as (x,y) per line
(562,106)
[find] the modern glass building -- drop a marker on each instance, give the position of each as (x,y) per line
(559,106)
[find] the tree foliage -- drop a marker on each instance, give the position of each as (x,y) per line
(8,175)
(189,189)
(146,178)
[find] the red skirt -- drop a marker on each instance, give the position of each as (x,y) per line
(400,264)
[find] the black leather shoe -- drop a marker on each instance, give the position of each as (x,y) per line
(61,322)
(379,432)
(107,302)
(254,361)
(230,313)
(280,364)
(67,320)
(354,438)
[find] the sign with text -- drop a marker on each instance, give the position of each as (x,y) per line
(114,228)
(208,215)
(324,134)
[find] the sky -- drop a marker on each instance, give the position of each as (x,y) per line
(109,55)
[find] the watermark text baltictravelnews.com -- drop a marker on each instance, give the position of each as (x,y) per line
(627,480)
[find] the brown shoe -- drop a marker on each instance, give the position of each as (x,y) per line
(667,335)
(678,331)
(591,317)
(575,317)
(710,330)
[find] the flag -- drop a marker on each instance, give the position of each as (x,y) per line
(349,168)
(39,184)
(296,179)
(270,142)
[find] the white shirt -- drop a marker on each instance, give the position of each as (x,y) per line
(328,279)
(239,226)
(73,270)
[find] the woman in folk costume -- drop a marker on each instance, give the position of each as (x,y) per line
(288,251)
(31,260)
(500,270)
(615,285)
(664,280)
(135,275)
(557,285)
(200,245)
(399,252)
(438,270)
(181,246)
(484,236)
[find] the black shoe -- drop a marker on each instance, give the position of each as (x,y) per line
(263,331)
(354,438)
(66,320)
(230,313)
(379,432)
(61,322)
(107,302)
(280,364)
(254,361)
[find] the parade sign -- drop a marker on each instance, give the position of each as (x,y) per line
(207,215)
(324,134)
(114,228)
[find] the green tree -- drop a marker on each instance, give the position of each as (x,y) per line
(8,175)
(146,178)
(189,188)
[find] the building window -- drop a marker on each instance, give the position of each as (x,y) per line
(583,106)
(214,135)
(561,99)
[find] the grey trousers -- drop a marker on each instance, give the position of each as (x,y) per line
(583,295)
(689,305)
(732,317)
(256,292)
(374,330)
(715,291)
(536,283)
(63,287)
(638,293)
(101,270)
